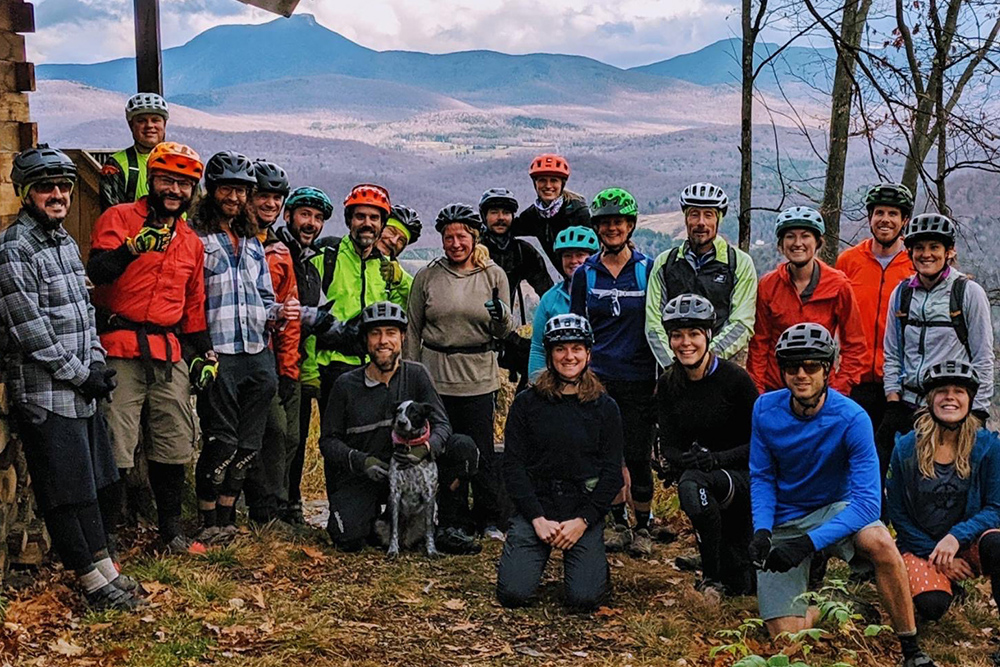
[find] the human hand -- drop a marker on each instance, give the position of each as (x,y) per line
(291,309)
(99,383)
(498,310)
(202,372)
(149,239)
(699,458)
(412,456)
(789,554)
(376,469)
(960,570)
(760,548)
(545,530)
(392,272)
(286,388)
(569,533)
(944,553)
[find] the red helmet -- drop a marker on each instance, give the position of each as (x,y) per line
(367,194)
(549,164)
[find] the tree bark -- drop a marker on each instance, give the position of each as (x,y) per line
(746,124)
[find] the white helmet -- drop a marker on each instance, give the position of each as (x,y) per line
(704,195)
(141,103)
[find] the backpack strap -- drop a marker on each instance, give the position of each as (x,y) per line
(132,176)
(641,275)
(329,267)
(956,307)
(903,299)
(732,262)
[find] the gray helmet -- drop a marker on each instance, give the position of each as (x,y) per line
(807,341)
(141,103)
(688,310)
(704,195)
(38,164)
(951,372)
(383,313)
(800,217)
(567,328)
(890,194)
(929,226)
(497,198)
(459,212)
(229,168)
(270,178)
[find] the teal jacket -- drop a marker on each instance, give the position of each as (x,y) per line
(554,302)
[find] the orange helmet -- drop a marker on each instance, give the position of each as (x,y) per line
(549,164)
(175,158)
(367,194)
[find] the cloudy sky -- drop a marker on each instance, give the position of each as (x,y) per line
(620,32)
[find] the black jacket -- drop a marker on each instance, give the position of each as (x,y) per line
(574,211)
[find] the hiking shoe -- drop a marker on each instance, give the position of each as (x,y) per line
(663,535)
(207,535)
(457,542)
(494,533)
(112,597)
(642,544)
(181,545)
(920,659)
(123,582)
(707,586)
(226,534)
(617,539)
(292,514)
(688,563)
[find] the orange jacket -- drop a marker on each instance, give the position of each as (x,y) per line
(872,286)
(832,304)
(162,288)
(285,341)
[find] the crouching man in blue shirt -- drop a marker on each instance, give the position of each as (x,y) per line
(814,486)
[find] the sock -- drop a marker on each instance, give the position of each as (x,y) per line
(618,512)
(226,515)
(92,579)
(908,643)
(167,482)
(107,568)
(642,519)
(208,517)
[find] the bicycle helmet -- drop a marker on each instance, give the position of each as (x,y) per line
(39,164)
(890,194)
(951,372)
(567,328)
(310,196)
(229,168)
(367,194)
(177,159)
(141,103)
(576,237)
(549,164)
(800,217)
(459,212)
(806,341)
(688,311)
(614,201)
(380,314)
(497,198)
(270,177)
(704,195)
(929,226)
(408,220)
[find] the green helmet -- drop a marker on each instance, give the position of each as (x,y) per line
(800,217)
(576,238)
(614,201)
(890,194)
(309,196)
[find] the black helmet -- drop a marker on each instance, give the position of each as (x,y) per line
(890,194)
(951,372)
(383,313)
(688,310)
(229,168)
(929,226)
(409,219)
(459,213)
(567,328)
(807,341)
(270,178)
(37,164)
(497,198)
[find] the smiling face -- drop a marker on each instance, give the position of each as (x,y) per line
(391,242)
(148,129)
(614,230)
(570,359)
(51,200)
(571,260)
(886,223)
(950,403)
(549,188)
(231,199)
(702,226)
(305,223)
(805,379)
(498,220)
(458,243)
(384,346)
(799,246)
(170,195)
(266,206)
(689,345)
(366,225)
(929,257)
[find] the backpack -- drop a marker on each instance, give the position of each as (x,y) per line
(955,301)
(640,279)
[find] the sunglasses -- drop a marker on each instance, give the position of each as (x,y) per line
(810,367)
(48,187)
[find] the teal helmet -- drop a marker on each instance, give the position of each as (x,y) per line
(309,196)
(800,217)
(576,238)
(614,201)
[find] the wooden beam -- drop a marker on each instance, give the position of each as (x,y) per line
(28,135)
(24,77)
(17,16)
(148,57)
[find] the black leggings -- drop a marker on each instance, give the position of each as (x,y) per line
(473,416)
(636,404)
(932,605)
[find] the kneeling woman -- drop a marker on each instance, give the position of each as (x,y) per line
(944,492)
(562,468)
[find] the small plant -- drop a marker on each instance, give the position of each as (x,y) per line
(738,637)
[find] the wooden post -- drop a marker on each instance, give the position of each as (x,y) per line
(148,58)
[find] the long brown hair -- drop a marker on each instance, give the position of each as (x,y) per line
(929,438)
(205,219)
(589,389)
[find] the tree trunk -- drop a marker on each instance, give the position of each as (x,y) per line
(746,126)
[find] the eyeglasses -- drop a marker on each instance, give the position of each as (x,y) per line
(48,187)
(810,367)
(238,190)
(179,183)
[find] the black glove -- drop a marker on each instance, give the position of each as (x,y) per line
(376,469)
(760,548)
(699,458)
(286,388)
(343,337)
(99,383)
(497,308)
(789,554)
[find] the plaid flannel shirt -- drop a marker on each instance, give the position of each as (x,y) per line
(240,298)
(47,329)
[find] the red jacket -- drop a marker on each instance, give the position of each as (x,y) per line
(285,341)
(162,288)
(832,304)
(872,286)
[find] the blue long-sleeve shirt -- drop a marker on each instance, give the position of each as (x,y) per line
(799,465)
(616,308)
(554,302)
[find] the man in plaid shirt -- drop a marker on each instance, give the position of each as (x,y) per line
(241,310)
(55,370)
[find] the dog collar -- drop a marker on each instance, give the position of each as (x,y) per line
(418,441)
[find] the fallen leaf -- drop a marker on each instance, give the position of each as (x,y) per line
(607,612)
(154,587)
(314,553)
(63,647)
(526,650)
(455,604)
(237,603)
(463,627)
(97,627)
(258,598)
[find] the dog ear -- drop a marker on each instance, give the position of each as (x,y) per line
(424,410)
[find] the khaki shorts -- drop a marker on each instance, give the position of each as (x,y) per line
(172,430)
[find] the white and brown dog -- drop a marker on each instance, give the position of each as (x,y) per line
(413,483)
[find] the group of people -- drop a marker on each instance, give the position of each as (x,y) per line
(863,401)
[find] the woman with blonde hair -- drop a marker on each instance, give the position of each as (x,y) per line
(944,492)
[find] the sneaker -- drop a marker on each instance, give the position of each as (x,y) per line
(226,534)
(112,597)
(617,539)
(919,659)
(181,545)
(663,535)
(713,590)
(688,563)
(494,533)
(642,544)
(207,535)
(123,582)
(457,542)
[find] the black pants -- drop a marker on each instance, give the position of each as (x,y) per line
(473,416)
(356,501)
(327,376)
(718,505)
(233,415)
(267,484)
(871,397)
(898,419)
(296,458)
(585,567)
(932,605)
(638,409)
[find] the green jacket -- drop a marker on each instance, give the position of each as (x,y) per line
(123,170)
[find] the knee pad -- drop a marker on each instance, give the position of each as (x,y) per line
(932,605)
(989,553)
(461,458)
(693,494)
(236,471)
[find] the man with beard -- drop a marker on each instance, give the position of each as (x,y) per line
(241,312)
(357,438)
(148,267)
(124,176)
(55,370)
(401,230)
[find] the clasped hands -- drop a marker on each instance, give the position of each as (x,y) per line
(559,534)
